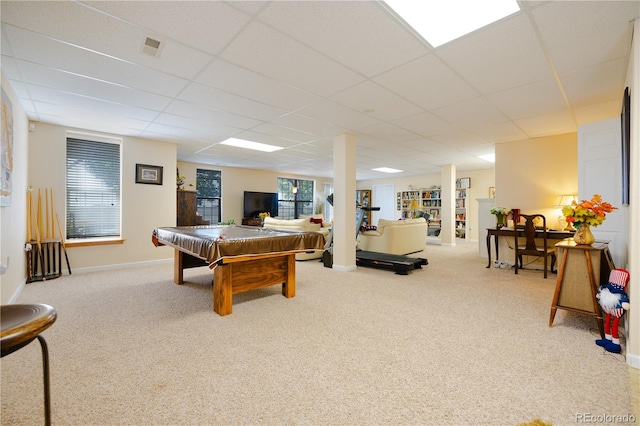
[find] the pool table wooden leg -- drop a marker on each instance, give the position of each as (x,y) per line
(223,289)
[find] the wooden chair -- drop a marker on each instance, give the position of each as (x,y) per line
(527,245)
(21,324)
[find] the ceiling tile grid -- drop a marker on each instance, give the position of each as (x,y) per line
(299,73)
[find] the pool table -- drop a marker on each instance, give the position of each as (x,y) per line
(243,258)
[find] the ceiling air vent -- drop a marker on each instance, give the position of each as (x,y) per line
(151,47)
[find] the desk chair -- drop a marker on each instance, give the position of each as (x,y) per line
(527,245)
(21,324)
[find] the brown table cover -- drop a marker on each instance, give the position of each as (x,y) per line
(214,242)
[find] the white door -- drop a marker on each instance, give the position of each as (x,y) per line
(382,196)
(600,172)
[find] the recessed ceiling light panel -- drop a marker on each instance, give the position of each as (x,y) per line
(387,170)
(257,146)
(440,22)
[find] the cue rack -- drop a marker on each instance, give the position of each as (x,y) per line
(43,247)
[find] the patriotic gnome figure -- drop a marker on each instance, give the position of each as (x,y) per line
(613,301)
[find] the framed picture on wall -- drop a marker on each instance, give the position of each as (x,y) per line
(492,192)
(148,174)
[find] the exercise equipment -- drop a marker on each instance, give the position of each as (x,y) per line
(400,264)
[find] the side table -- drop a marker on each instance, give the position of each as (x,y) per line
(583,268)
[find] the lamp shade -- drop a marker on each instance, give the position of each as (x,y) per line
(415,205)
(566,200)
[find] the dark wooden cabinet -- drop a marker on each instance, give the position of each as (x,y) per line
(186,214)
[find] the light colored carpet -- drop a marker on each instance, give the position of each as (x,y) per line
(454,343)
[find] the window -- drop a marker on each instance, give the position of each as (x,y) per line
(208,184)
(93,189)
(295,197)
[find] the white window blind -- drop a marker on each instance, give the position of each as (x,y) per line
(93,189)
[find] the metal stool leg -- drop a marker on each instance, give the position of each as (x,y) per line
(45,372)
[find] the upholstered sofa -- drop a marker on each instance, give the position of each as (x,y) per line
(303,224)
(395,236)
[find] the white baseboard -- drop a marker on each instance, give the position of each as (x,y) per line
(633,360)
(341,268)
(18,291)
(120,266)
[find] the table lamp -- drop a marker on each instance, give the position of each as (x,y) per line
(564,201)
(415,205)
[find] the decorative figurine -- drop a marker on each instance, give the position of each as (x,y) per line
(614,301)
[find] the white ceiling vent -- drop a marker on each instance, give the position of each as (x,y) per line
(151,46)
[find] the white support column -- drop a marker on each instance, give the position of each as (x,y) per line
(344,202)
(447,213)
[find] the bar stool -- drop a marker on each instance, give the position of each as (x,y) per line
(21,324)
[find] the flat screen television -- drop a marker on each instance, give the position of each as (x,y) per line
(258,202)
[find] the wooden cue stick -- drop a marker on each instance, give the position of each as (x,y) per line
(64,248)
(39,212)
(53,228)
(47,233)
(28,215)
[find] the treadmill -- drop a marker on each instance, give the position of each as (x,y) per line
(400,264)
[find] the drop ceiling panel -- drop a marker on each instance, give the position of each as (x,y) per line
(596,84)
(42,95)
(471,113)
(603,46)
(529,100)
(284,133)
(389,132)
(376,101)
(425,124)
(499,132)
(183,20)
(186,109)
(45,51)
(214,131)
(310,125)
(123,42)
(242,82)
(74,123)
(491,62)
(548,124)
(427,82)
(559,21)
(224,101)
(282,58)
(337,115)
(597,112)
(357,34)
(88,117)
(73,83)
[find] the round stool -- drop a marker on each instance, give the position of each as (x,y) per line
(21,324)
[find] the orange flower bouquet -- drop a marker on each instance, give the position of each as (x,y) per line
(591,213)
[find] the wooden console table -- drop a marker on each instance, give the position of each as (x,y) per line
(510,232)
(582,270)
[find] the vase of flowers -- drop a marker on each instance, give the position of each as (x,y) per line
(263,215)
(501,216)
(586,214)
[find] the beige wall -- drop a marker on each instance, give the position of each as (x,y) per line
(144,207)
(237,180)
(481,180)
(13,218)
(532,173)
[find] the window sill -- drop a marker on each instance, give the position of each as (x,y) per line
(93,242)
